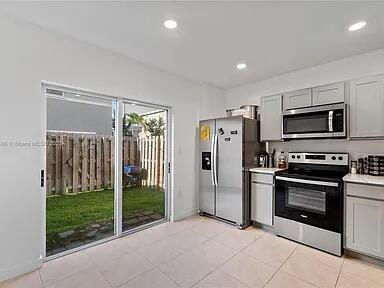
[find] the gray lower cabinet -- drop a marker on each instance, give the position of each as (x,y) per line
(365,219)
(298,99)
(262,201)
(366,106)
(328,94)
(270,118)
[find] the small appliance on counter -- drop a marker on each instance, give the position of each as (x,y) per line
(309,200)
(376,165)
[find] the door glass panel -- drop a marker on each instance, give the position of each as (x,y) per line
(79,169)
(143,165)
(306,123)
(306,199)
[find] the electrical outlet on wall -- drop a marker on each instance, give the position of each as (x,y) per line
(179,193)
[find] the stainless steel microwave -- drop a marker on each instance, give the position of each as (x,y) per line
(327,121)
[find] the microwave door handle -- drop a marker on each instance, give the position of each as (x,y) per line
(330,121)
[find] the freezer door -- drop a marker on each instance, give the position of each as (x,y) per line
(206,179)
(229,180)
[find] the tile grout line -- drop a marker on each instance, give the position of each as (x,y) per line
(315,285)
(281,265)
(216,268)
(338,275)
(157,266)
(101,273)
(70,275)
(222,264)
(38,271)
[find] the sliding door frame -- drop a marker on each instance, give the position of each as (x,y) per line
(118,169)
(166,168)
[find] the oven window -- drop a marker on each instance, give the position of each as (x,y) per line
(306,199)
(306,123)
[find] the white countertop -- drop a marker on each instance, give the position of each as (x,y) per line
(265,170)
(364,179)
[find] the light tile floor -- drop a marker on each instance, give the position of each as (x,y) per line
(202,253)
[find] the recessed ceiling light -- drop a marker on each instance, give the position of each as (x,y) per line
(170,24)
(241,66)
(357,26)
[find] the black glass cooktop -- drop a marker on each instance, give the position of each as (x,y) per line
(315,172)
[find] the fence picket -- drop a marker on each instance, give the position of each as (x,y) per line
(92,163)
(84,163)
(58,166)
(98,163)
(75,164)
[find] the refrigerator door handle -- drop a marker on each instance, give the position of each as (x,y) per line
(215,159)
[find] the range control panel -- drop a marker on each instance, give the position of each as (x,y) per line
(319,158)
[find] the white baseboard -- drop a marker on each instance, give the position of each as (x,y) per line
(183,215)
(15,271)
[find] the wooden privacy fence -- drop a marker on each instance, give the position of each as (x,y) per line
(83,162)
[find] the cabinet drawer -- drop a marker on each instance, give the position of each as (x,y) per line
(365,191)
(262,178)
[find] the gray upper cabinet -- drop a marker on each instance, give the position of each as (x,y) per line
(328,94)
(270,118)
(366,106)
(298,99)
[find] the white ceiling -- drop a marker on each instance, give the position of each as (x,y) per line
(273,38)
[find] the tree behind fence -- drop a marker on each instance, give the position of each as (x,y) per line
(80,162)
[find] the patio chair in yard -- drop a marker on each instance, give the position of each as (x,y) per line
(133,175)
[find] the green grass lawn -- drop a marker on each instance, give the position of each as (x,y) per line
(68,212)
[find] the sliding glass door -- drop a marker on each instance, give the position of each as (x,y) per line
(106,167)
(80,170)
(144,130)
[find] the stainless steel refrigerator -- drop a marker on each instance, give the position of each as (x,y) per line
(228,147)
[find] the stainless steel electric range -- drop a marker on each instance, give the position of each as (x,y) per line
(309,200)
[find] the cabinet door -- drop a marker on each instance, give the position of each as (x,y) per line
(328,94)
(262,203)
(367,107)
(270,118)
(298,99)
(365,226)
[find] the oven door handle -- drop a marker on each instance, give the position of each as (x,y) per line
(305,181)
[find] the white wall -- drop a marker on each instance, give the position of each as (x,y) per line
(344,69)
(212,102)
(29,55)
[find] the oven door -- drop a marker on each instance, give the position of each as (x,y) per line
(315,122)
(316,203)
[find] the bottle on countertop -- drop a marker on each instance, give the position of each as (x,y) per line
(282,164)
(271,159)
(360,166)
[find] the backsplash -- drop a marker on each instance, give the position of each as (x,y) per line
(355,148)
